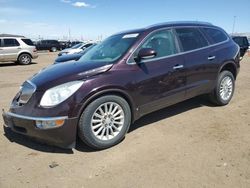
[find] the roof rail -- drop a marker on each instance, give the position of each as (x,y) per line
(10,35)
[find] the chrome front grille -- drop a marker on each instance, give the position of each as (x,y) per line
(25,93)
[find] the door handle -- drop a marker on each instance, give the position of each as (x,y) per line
(211,58)
(176,67)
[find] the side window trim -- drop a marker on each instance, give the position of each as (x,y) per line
(178,47)
(210,45)
(146,38)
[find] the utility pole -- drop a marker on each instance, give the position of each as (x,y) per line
(233,25)
(69,35)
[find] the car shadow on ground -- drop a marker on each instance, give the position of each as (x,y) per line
(148,119)
(12,64)
(171,111)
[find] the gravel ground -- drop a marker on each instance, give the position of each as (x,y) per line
(192,144)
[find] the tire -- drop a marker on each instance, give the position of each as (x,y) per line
(95,128)
(24,59)
(53,49)
(222,95)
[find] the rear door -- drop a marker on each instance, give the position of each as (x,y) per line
(199,61)
(160,81)
(10,49)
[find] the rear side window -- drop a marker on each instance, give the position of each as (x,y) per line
(0,42)
(10,42)
(191,38)
(215,34)
(28,42)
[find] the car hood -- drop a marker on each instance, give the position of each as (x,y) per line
(67,58)
(57,74)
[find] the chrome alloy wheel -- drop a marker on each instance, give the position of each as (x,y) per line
(226,88)
(107,121)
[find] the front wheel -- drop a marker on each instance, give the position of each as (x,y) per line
(224,90)
(104,122)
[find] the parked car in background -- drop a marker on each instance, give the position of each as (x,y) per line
(72,57)
(73,43)
(248,43)
(126,76)
(51,45)
(75,49)
(64,44)
(17,49)
(243,43)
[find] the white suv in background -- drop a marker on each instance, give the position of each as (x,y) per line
(17,49)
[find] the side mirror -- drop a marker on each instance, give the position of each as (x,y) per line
(145,53)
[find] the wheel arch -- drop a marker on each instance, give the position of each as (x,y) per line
(24,52)
(229,66)
(117,92)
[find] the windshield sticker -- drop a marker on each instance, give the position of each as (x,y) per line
(130,35)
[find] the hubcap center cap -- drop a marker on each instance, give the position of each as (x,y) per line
(107,121)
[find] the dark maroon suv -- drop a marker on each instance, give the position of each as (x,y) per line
(126,76)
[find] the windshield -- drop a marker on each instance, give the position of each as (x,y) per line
(76,46)
(110,49)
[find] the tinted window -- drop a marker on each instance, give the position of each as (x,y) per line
(162,42)
(191,38)
(241,41)
(28,42)
(53,42)
(215,34)
(0,42)
(10,42)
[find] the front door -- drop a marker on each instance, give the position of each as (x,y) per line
(160,80)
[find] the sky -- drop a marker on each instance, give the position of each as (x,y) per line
(97,19)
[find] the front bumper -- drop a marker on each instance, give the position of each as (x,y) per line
(63,136)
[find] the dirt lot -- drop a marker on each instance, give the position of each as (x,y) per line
(192,144)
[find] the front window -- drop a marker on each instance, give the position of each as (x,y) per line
(163,42)
(110,49)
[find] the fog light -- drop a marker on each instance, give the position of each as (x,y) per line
(48,124)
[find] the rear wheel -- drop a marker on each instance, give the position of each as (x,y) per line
(105,122)
(24,59)
(224,90)
(53,49)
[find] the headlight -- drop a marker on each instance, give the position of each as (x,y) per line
(58,94)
